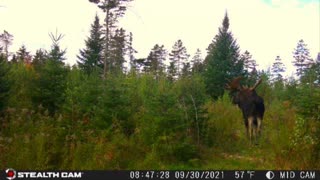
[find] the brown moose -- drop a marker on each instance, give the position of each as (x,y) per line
(251,105)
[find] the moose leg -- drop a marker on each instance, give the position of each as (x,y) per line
(247,132)
(247,129)
(259,122)
(256,130)
(255,134)
(246,125)
(250,127)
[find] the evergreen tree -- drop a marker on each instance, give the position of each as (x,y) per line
(14,59)
(6,40)
(117,51)
(2,55)
(113,9)
(91,58)
(197,62)
(39,58)
(21,79)
(139,64)
(186,69)
(318,58)
(307,98)
(277,68)
(4,83)
(177,57)
(312,74)
(50,87)
(155,60)
(56,54)
(302,58)
(253,76)
(171,71)
(131,52)
(317,69)
(23,55)
(222,61)
(248,63)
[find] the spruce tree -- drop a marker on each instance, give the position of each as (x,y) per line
(248,63)
(22,54)
(302,59)
(6,40)
(222,61)
(177,57)
(318,58)
(311,75)
(131,52)
(117,51)
(197,62)
(317,69)
(172,71)
(186,69)
(49,88)
(39,58)
(4,82)
(154,63)
(91,57)
(277,68)
(138,64)
(14,59)
(113,9)
(56,54)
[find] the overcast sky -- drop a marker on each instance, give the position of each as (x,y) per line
(266,28)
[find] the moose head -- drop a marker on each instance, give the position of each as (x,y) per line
(251,105)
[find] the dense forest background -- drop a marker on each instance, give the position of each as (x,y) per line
(169,110)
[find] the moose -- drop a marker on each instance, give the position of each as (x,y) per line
(251,105)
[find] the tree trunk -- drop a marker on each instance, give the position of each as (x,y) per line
(106,45)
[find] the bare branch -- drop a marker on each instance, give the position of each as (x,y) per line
(56,38)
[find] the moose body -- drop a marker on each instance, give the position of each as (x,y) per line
(251,105)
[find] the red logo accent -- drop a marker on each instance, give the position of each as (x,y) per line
(11,174)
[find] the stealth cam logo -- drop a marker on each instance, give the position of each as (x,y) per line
(11,173)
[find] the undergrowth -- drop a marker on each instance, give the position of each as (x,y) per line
(34,140)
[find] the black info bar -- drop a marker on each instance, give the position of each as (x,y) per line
(12,174)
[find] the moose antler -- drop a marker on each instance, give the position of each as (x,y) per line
(256,85)
(234,84)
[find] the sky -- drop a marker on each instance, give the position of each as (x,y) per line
(266,28)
